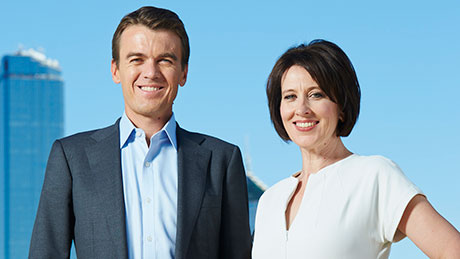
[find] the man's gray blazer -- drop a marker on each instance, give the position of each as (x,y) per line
(82,199)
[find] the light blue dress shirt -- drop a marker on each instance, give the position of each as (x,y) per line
(150,189)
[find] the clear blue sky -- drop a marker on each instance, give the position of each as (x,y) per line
(406,54)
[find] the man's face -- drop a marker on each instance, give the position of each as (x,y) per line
(149,71)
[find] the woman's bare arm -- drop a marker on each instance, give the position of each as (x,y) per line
(430,232)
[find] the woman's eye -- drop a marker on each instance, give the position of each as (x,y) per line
(316,95)
(289,97)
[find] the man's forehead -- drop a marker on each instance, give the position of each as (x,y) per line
(141,34)
(134,28)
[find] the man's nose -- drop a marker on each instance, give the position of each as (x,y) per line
(151,69)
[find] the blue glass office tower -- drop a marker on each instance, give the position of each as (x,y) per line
(255,189)
(31,118)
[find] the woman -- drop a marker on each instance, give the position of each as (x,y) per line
(340,205)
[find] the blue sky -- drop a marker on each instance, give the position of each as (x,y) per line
(406,54)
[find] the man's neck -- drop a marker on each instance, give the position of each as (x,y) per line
(150,125)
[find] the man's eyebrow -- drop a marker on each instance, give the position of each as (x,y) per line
(164,55)
(168,55)
(134,54)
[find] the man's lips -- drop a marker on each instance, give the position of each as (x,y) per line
(150,88)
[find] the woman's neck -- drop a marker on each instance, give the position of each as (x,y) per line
(314,160)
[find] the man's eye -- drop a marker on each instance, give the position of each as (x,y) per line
(168,61)
(135,60)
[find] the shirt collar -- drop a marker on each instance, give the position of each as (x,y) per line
(127,128)
(170,129)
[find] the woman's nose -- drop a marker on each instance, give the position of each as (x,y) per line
(302,108)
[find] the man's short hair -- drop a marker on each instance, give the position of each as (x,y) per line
(155,19)
(331,69)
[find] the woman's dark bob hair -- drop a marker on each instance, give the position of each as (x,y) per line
(331,69)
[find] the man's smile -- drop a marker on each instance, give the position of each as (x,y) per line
(150,88)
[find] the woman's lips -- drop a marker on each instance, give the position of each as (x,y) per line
(305,125)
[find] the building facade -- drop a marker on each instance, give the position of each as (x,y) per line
(31,118)
(255,189)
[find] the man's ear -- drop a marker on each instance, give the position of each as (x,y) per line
(114,71)
(183,78)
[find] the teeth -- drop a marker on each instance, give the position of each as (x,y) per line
(149,88)
(305,124)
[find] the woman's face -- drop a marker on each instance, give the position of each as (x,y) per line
(309,116)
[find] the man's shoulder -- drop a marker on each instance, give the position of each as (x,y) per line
(85,137)
(204,139)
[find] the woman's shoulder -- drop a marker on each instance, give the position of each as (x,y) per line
(374,162)
(371,167)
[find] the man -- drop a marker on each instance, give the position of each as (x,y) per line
(144,187)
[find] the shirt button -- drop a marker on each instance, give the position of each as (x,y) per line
(149,238)
(138,134)
(148,200)
(147,164)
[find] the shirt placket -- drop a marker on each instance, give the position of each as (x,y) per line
(148,199)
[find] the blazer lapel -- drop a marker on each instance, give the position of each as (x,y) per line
(193,163)
(105,163)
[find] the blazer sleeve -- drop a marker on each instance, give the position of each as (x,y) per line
(235,241)
(54,224)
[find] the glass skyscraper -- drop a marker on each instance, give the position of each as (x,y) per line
(31,118)
(255,189)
